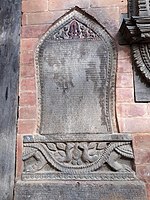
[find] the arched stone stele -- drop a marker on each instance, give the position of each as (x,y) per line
(76,64)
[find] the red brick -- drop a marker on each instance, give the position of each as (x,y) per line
(28,44)
(27,99)
(143,172)
(27,57)
(123,9)
(27,84)
(44,17)
(148,190)
(19,163)
(67,4)
(124,80)
(35,31)
(136,125)
(124,52)
(27,71)
(27,112)
(124,66)
(148,108)
(141,141)
(109,20)
(26,126)
(131,110)
(98,3)
(142,156)
(24,19)
(34,5)
(124,95)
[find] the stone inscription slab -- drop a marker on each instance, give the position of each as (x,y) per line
(76,64)
(74,79)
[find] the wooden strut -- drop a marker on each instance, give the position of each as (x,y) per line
(135,31)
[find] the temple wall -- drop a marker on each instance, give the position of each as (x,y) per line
(134,118)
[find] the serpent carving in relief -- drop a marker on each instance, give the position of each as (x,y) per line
(77,157)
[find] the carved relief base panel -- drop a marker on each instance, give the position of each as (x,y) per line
(74,168)
(103,157)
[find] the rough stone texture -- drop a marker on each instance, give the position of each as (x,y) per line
(10,12)
(78,190)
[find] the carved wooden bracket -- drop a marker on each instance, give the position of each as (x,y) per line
(135,27)
(135,31)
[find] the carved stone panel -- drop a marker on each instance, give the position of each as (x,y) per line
(101,158)
(76,68)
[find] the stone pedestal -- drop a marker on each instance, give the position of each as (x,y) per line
(97,170)
(80,190)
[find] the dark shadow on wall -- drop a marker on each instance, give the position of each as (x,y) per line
(10,21)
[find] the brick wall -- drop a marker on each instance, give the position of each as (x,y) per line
(132,117)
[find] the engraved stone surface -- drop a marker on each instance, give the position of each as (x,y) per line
(76,64)
(79,190)
(73,86)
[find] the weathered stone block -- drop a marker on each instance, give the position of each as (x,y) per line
(79,190)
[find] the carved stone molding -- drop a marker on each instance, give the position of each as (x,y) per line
(135,30)
(101,159)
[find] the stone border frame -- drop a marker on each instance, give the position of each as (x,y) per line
(81,16)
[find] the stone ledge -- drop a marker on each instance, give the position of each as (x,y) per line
(77,137)
(79,190)
(101,176)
